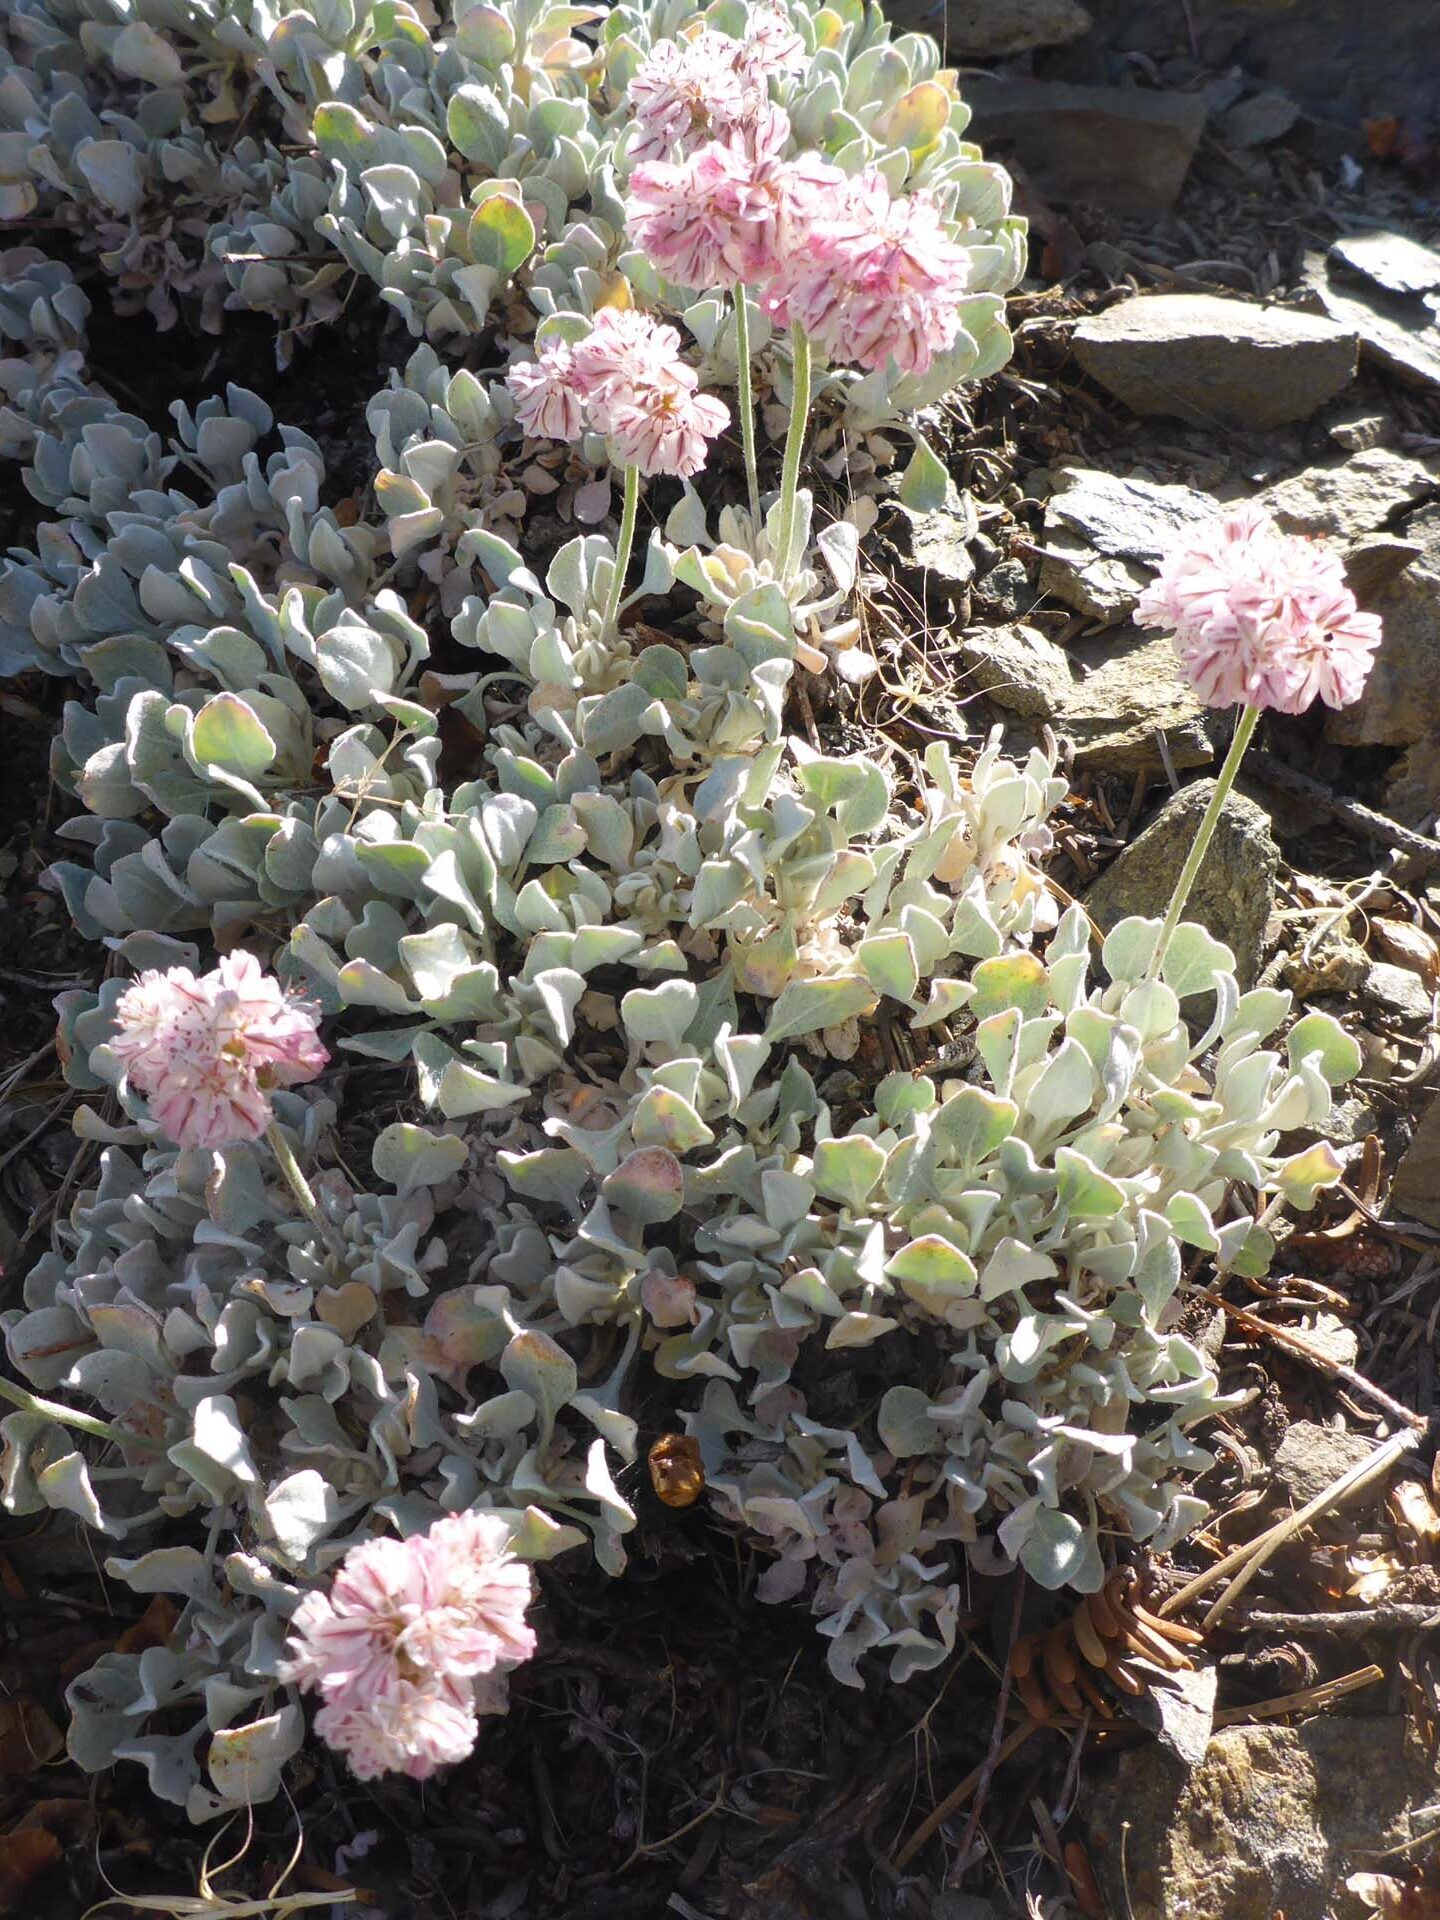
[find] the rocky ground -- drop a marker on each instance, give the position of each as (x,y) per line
(1235,294)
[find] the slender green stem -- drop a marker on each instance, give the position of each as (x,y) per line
(1244,728)
(622,550)
(794,441)
(745,400)
(290,1167)
(68,1417)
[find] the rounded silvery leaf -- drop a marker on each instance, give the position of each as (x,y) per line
(1319,1036)
(848,1169)
(1194,960)
(114,172)
(227,734)
(648,1186)
(245,1763)
(905,1422)
(1060,1552)
(408,1156)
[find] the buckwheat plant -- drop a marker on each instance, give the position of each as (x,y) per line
(713,1073)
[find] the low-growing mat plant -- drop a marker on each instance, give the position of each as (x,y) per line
(616,978)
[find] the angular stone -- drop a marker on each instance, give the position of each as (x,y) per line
(1351,497)
(936,543)
(1360,429)
(1397,332)
(991,29)
(1105,535)
(1375,561)
(1311,1458)
(1391,260)
(1019,669)
(1214,361)
(1007,589)
(1131,695)
(1417,1179)
(1263,117)
(1235,886)
(1127,148)
(1273,1822)
(1403,994)
(1401,701)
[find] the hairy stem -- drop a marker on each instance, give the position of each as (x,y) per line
(290,1167)
(745,401)
(794,441)
(622,550)
(69,1417)
(1244,728)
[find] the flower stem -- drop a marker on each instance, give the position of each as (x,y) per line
(290,1167)
(794,441)
(1244,728)
(69,1417)
(745,400)
(622,550)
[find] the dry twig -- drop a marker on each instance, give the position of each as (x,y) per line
(1246,1561)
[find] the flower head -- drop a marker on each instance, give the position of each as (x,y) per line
(879,279)
(689,216)
(625,379)
(412,1727)
(206,1051)
(667,430)
(407,1629)
(771,44)
(687,91)
(1261,617)
(624,354)
(549,399)
(735,208)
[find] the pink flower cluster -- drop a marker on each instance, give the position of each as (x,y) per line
(1261,617)
(870,275)
(709,85)
(397,1646)
(205,1051)
(625,379)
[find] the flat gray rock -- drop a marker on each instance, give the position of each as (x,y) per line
(1403,994)
(1400,705)
(1311,1458)
(1020,669)
(1350,498)
(1127,148)
(937,543)
(990,29)
(1129,698)
(1105,535)
(1235,885)
(1263,117)
(1214,361)
(1392,260)
(1398,332)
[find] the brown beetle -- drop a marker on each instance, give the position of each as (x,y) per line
(676,1471)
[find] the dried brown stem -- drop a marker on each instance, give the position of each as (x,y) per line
(1295,1343)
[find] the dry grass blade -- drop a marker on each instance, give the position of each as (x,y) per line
(1307,1700)
(1247,1560)
(209,1903)
(958,1795)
